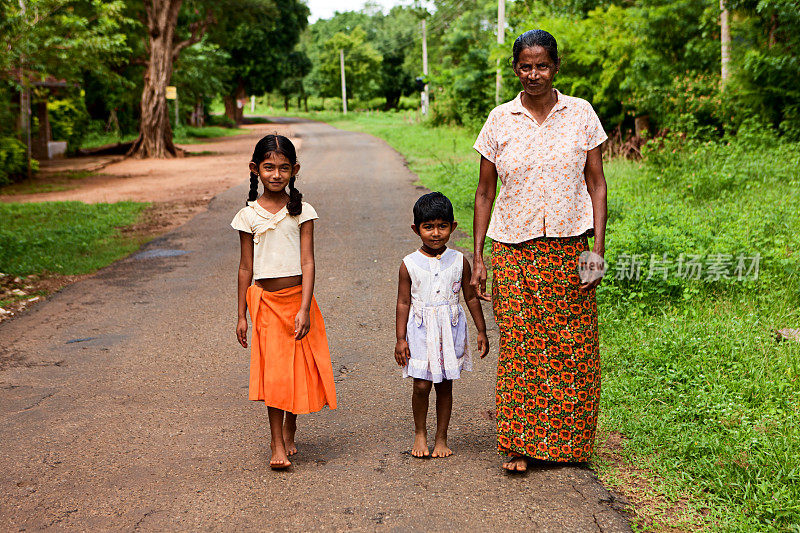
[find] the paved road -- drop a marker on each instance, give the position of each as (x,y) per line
(123,398)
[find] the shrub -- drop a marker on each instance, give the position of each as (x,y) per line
(69,121)
(12,160)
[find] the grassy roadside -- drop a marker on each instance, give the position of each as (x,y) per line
(64,237)
(43,242)
(182,135)
(701,420)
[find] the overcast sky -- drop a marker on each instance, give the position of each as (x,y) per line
(323,9)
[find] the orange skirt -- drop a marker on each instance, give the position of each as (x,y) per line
(291,375)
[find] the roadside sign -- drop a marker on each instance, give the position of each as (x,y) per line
(172,92)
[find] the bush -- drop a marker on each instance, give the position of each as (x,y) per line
(221,120)
(712,203)
(12,160)
(69,121)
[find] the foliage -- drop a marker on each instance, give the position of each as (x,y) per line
(200,72)
(64,237)
(394,36)
(769,47)
(258,36)
(297,67)
(13,161)
(464,83)
(361,60)
(69,121)
(61,38)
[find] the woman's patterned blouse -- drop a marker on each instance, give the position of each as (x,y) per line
(540,166)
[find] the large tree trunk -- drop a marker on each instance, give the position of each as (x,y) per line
(232,109)
(155,132)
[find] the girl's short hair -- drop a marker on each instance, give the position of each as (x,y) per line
(433,206)
(276,144)
(532,38)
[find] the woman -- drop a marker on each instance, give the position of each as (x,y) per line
(545,149)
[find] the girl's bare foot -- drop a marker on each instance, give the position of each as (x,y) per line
(516,464)
(440,448)
(279,459)
(420,448)
(289,429)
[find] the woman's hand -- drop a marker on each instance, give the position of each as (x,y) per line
(483,343)
(401,352)
(597,266)
(478,280)
(241,331)
(302,323)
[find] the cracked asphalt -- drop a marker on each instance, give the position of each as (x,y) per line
(124,405)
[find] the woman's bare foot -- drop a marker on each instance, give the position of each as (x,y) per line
(420,448)
(516,464)
(440,448)
(279,459)
(289,429)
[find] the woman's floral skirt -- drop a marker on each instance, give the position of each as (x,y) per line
(548,372)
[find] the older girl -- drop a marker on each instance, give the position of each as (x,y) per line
(290,366)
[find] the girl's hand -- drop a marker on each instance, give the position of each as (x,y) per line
(241,331)
(483,344)
(401,352)
(302,323)
(478,280)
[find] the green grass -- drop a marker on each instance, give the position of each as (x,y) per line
(64,181)
(190,135)
(65,237)
(182,135)
(98,139)
(692,374)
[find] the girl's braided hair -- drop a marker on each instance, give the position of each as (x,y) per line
(277,144)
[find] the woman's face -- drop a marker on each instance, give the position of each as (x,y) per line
(535,70)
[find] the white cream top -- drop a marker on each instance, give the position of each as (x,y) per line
(276,238)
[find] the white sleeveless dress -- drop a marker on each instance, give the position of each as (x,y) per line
(437,324)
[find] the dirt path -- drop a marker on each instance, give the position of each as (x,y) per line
(212,168)
(123,398)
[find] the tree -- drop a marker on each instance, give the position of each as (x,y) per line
(259,36)
(199,74)
(164,46)
(55,41)
(296,68)
(362,64)
(397,40)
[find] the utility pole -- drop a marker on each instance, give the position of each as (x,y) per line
(725,42)
(25,103)
(344,84)
(501,39)
(425,68)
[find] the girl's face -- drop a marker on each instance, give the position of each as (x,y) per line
(275,171)
(435,233)
(535,70)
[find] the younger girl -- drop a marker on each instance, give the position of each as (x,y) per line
(290,366)
(431,325)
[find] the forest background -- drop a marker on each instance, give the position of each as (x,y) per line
(700,400)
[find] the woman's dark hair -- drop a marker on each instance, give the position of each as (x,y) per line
(276,144)
(532,38)
(433,206)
